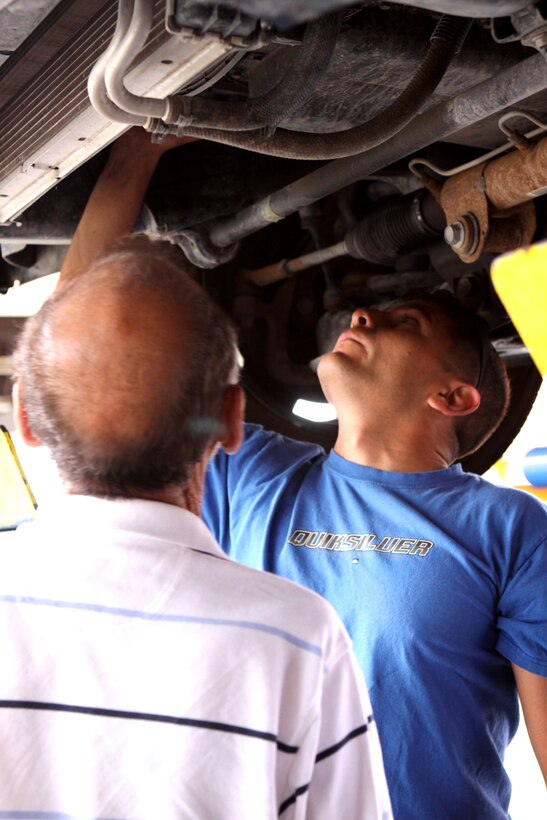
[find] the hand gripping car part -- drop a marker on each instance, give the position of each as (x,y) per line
(520,279)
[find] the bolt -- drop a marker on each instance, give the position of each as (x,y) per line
(455,234)
(466,286)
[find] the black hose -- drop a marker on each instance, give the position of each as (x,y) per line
(445,42)
(304,68)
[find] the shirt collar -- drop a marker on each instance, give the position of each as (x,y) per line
(154,520)
(431,478)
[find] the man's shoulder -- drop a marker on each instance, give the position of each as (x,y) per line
(268,448)
(279,590)
(258,438)
(510,498)
(264,456)
(278,601)
(517,516)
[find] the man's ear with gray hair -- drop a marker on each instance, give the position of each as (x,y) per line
(20,416)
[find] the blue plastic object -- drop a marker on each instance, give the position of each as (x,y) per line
(535,466)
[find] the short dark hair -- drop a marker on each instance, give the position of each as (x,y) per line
(477,361)
(165,452)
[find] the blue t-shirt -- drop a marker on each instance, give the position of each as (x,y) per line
(440,580)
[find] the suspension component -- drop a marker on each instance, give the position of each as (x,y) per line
(490,207)
(401,225)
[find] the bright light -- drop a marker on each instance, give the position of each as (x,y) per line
(314,410)
(26,300)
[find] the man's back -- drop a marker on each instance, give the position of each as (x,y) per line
(146,675)
(439,578)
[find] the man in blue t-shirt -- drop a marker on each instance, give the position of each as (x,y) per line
(438,574)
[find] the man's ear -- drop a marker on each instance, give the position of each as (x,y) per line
(458,399)
(21,420)
(232,413)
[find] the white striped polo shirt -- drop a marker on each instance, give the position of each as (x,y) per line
(146,675)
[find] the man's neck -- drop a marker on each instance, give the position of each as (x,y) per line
(401,449)
(187,497)
(190,495)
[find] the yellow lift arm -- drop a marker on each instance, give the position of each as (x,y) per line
(520,279)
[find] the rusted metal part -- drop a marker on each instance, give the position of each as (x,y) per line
(463,199)
(517,177)
(434,186)
(489,207)
(513,230)
(519,140)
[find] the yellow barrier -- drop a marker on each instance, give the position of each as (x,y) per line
(17,502)
(520,279)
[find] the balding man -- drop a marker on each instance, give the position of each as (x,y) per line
(144,674)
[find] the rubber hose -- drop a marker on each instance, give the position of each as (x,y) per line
(401,225)
(307,65)
(445,41)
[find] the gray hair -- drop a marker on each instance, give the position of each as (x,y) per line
(181,428)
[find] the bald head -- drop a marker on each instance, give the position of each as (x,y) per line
(122,374)
(117,353)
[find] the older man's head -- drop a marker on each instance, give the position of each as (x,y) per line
(123,373)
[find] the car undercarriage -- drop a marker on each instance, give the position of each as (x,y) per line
(349,155)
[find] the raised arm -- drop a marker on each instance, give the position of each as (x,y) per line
(116,199)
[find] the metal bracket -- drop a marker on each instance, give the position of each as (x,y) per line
(474,225)
(464,202)
(198,18)
(530,27)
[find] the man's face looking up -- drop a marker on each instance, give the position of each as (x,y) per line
(387,357)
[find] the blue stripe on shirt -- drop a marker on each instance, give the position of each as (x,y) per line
(153,616)
(46,815)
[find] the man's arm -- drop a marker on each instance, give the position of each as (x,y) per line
(532,691)
(116,199)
